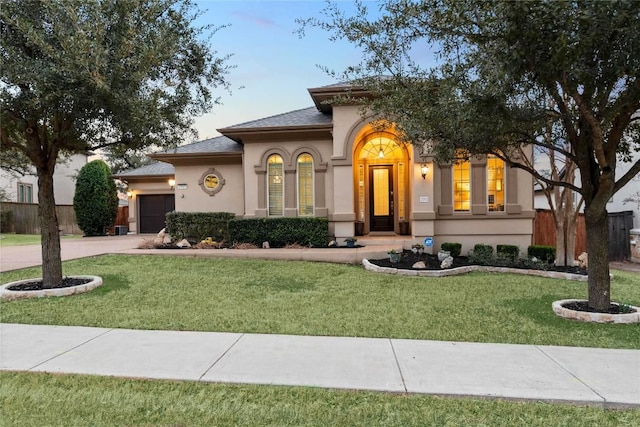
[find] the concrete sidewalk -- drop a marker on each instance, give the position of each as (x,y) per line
(605,377)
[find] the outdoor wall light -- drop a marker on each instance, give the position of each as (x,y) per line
(129,194)
(423,170)
(172,183)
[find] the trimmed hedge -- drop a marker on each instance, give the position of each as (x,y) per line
(482,254)
(508,252)
(280,232)
(542,252)
(197,226)
(453,248)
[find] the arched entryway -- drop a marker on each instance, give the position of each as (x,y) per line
(381,183)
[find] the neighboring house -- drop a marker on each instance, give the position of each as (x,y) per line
(24,189)
(326,161)
(617,203)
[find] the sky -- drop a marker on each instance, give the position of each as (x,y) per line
(274,66)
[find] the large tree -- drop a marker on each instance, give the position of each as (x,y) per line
(501,63)
(77,76)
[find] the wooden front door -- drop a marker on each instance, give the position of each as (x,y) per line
(381,198)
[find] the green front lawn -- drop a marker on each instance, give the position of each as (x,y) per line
(304,298)
(12,239)
(36,399)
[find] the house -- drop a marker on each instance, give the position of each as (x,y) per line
(327,161)
(24,188)
(618,204)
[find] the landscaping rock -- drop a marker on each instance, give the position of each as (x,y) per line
(447,262)
(583,260)
(265,245)
(183,244)
(419,265)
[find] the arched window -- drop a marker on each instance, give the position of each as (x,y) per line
(275,185)
(461,185)
(305,185)
(495,183)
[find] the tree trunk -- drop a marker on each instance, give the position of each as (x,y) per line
(50,236)
(560,241)
(597,222)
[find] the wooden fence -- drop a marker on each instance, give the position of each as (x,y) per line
(544,231)
(24,218)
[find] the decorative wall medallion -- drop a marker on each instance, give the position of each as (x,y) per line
(211,182)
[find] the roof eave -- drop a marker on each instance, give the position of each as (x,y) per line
(241,134)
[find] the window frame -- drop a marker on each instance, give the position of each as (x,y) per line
(25,192)
(310,185)
(270,166)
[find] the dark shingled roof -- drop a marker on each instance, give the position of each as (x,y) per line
(305,117)
(157,168)
(220,144)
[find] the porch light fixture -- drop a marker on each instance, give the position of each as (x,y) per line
(381,153)
(423,170)
(129,194)
(172,183)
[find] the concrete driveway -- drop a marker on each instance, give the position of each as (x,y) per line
(16,257)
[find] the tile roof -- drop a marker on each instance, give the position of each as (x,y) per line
(305,117)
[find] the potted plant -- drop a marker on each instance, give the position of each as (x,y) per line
(394,256)
(351,241)
(417,248)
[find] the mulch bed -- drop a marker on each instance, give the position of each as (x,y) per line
(36,285)
(408,259)
(584,306)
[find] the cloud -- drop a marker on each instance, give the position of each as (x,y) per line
(263,22)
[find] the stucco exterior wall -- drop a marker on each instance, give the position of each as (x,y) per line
(255,157)
(190,197)
(64,181)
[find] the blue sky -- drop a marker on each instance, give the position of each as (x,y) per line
(274,66)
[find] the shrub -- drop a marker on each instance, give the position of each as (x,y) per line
(508,252)
(482,254)
(542,252)
(197,226)
(280,232)
(6,221)
(95,201)
(453,248)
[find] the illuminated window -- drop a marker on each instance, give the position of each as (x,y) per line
(25,193)
(462,186)
(305,185)
(275,185)
(495,183)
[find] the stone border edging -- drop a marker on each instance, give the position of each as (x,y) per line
(8,295)
(585,316)
(469,268)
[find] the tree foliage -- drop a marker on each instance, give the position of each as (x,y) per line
(510,73)
(80,76)
(95,200)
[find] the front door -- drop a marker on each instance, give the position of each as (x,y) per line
(381,197)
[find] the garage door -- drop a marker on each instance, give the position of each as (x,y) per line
(153,208)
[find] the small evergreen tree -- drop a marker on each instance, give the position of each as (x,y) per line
(96,199)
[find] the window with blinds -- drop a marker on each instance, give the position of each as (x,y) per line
(495,183)
(275,185)
(462,186)
(305,185)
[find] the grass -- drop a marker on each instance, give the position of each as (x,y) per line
(85,400)
(12,239)
(286,297)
